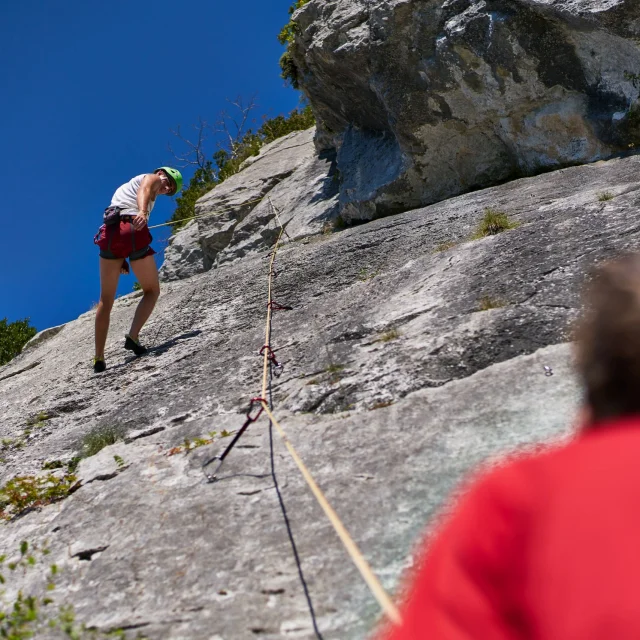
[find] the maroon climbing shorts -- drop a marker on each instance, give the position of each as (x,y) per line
(121,241)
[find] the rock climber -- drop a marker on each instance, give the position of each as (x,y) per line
(545,545)
(123,235)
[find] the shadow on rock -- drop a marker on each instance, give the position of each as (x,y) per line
(165,346)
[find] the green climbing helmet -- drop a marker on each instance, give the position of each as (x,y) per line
(174,175)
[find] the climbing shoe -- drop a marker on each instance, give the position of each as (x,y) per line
(99,365)
(134,345)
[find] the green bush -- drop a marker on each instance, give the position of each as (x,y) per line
(227,162)
(297,120)
(26,492)
(13,336)
(288,69)
(203,180)
(288,32)
(38,616)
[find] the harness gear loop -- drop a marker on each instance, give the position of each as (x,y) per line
(212,477)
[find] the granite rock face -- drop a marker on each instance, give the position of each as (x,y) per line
(42,336)
(305,180)
(425,99)
(183,256)
(236,214)
(411,353)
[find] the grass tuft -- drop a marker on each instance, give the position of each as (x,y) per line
(339,223)
(39,419)
(189,445)
(603,196)
(99,438)
(390,334)
(493,223)
(365,274)
(445,246)
(486,302)
(380,405)
(334,368)
(53,464)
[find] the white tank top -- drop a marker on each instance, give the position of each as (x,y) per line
(126,196)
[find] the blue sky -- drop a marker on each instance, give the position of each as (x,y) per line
(90,92)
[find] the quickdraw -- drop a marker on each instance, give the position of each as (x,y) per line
(212,477)
(275,306)
(278,367)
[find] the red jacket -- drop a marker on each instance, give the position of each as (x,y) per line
(545,547)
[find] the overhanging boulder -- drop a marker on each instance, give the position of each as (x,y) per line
(426,99)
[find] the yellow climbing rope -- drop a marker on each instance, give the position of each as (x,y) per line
(370,578)
(352,549)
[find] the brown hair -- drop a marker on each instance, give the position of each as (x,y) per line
(608,352)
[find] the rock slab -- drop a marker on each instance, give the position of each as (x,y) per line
(412,353)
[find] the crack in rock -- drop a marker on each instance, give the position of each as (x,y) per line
(87,554)
(17,373)
(104,477)
(144,433)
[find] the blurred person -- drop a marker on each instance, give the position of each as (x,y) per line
(123,235)
(546,546)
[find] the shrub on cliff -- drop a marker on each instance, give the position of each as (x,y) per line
(288,32)
(203,180)
(288,69)
(227,161)
(13,336)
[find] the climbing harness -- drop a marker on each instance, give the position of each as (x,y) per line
(111,216)
(270,363)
